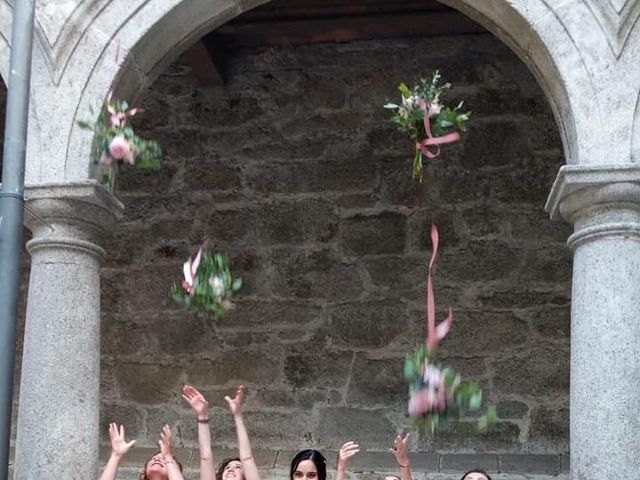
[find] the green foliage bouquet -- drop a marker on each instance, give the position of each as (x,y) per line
(427,122)
(208,283)
(437,393)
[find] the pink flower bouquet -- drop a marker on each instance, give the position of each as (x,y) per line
(208,284)
(437,393)
(116,143)
(428,123)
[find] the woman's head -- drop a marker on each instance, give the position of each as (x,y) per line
(155,467)
(308,465)
(476,474)
(230,469)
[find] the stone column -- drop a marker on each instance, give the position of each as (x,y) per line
(603,204)
(59,405)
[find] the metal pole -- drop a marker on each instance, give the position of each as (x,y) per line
(11,209)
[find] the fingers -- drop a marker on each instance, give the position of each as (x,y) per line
(349,449)
(239,393)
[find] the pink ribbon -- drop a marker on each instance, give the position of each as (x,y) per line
(190,270)
(431,140)
(119,119)
(435,333)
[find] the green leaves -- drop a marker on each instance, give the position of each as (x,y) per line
(410,118)
(213,286)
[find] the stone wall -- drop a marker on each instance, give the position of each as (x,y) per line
(293,168)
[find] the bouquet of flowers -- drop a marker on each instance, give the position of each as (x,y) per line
(115,141)
(208,284)
(437,393)
(427,122)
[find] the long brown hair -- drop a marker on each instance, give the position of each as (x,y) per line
(143,474)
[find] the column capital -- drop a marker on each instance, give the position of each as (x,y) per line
(70,215)
(600,201)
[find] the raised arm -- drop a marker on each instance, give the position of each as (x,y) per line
(249,467)
(347,451)
(170,464)
(201,407)
(401,453)
(119,448)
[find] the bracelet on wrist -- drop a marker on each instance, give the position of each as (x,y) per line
(246,459)
(203,420)
(403,466)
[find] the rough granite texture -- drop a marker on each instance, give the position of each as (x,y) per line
(294,169)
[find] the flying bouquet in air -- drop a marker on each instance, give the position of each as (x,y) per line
(437,394)
(208,283)
(428,123)
(115,142)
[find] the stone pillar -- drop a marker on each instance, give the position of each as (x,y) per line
(603,204)
(59,404)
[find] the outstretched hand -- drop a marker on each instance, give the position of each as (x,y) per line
(165,443)
(197,401)
(235,403)
(400,451)
(119,446)
(347,451)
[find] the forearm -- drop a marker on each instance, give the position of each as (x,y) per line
(406,471)
(249,466)
(341,471)
(173,470)
(111,468)
(207,470)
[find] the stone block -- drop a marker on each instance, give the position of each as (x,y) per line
(342,424)
(147,383)
(129,416)
(529,464)
(536,372)
(549,429)
(377,382)
(484,333)
(485,221)
(312,366)
(297,222)
(464,436)
(533,225)
(212,175)
(321,176)
(367,325)
(397,188)
(399,276)
(480,261)
(133,179)
(512,409)
(553,323)
(227,227)
(462,462)
(419,229)
(270,396)
(373,234)
(546,265)
(481,149)
(236,367)
(314,273)
(147,288)
(271,315)
(518,296)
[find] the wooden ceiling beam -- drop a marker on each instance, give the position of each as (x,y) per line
(344,29)
(203,65)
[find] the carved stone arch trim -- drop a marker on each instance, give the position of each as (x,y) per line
(531,28)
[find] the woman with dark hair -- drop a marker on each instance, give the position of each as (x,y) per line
(160,466)
(311,464)
(476,474)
